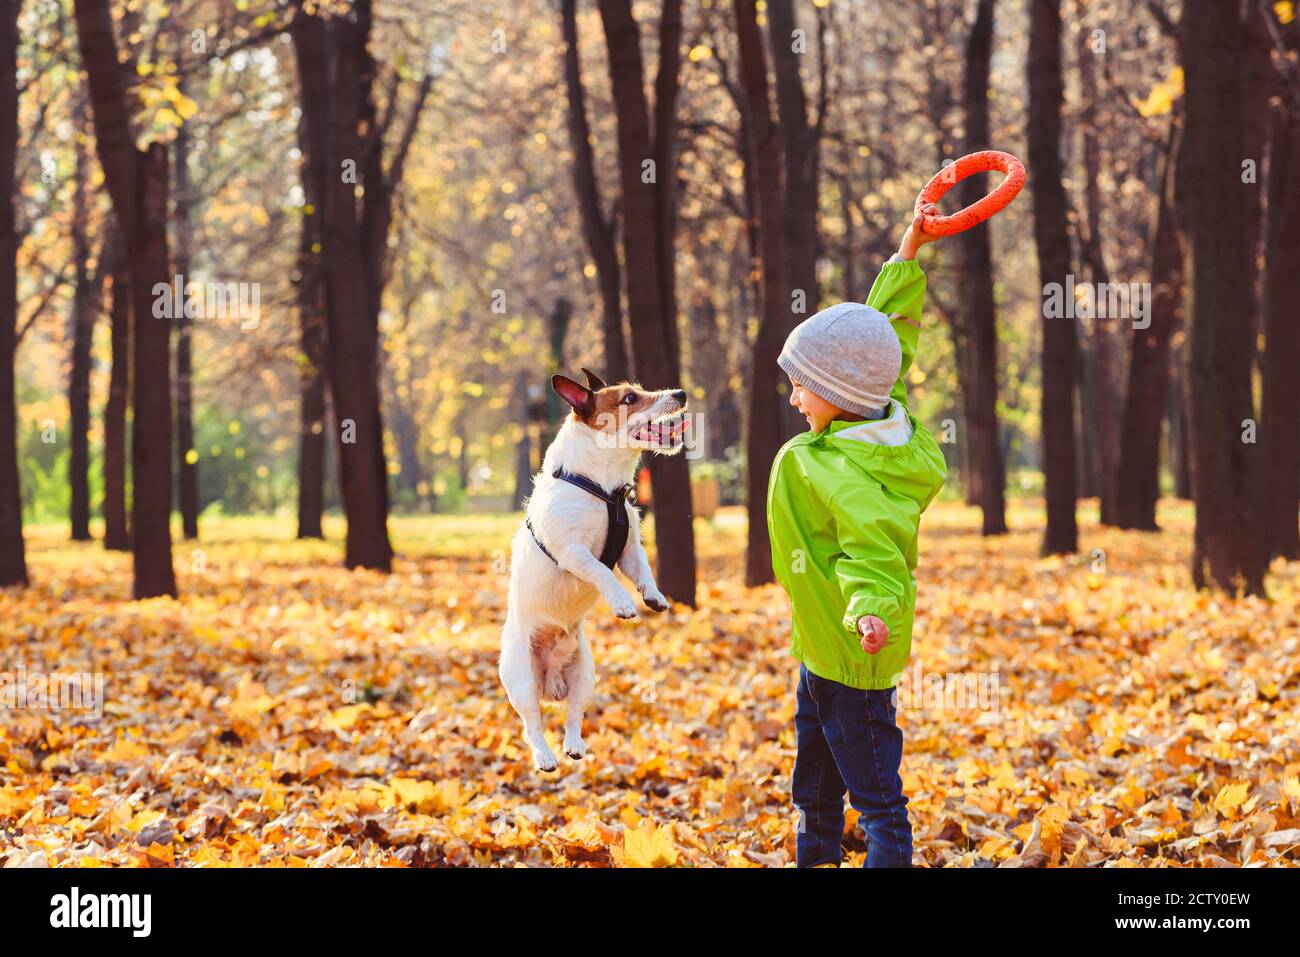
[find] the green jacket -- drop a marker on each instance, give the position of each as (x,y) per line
(843,516)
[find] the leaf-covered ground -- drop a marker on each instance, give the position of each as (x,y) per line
(287,712)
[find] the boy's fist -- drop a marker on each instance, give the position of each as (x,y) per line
(874,633)
(916,236)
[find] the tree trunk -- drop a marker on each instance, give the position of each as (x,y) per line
(1180,446)
(1280,413)
(311,417)
(848,251)
(1102,413)
(766,418)
(151,428)
(1259,85)
(116,535)
(137,185)
(353,341)
(597,228)
(557,327)
(85,305)
(1060,342)
(311,325)
(976,292)
(648,220)
(13,559)
(667,86)
(524,446)
(336,74)
(711,370)
(187,461)
(1086,470)
(406,435)
(1147,396)
(800,146)
(1229,550)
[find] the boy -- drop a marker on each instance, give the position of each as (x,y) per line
(844,503)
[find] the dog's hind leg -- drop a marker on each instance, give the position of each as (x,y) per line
(520,681)
(581,678)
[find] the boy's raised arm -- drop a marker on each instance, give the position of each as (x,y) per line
(899,292)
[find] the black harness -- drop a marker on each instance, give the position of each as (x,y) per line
(615,502)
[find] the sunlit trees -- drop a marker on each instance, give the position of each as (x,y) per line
(1060,337)
(337,73)
(137,184)
(1230,547)
(13,562)
(649,218)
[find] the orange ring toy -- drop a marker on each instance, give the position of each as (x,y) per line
(976,212)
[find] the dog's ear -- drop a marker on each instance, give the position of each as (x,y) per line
(573,393)
(594,382)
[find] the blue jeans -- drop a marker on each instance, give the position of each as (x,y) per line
(848,740)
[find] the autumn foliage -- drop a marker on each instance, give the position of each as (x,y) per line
(287,712)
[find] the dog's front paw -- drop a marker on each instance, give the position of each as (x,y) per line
(575,747)
(544,759)
(654,600)
(622,605)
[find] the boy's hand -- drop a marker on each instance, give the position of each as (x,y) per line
(916,236)
(874,633)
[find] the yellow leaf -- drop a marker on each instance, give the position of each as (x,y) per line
(344,718)
(648,846)
(1052,825)
(125,749)
(429,798)
(115,819)
(14,803)
(1231,797)
(1292,790)
(1004,777)
(1161,98)
(161,853)
(142,820)
(1285,10)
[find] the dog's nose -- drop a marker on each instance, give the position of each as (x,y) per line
(680,396)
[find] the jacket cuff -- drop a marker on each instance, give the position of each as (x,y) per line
(907,264)
(886,609)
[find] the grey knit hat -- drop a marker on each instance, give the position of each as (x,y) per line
(848,354)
